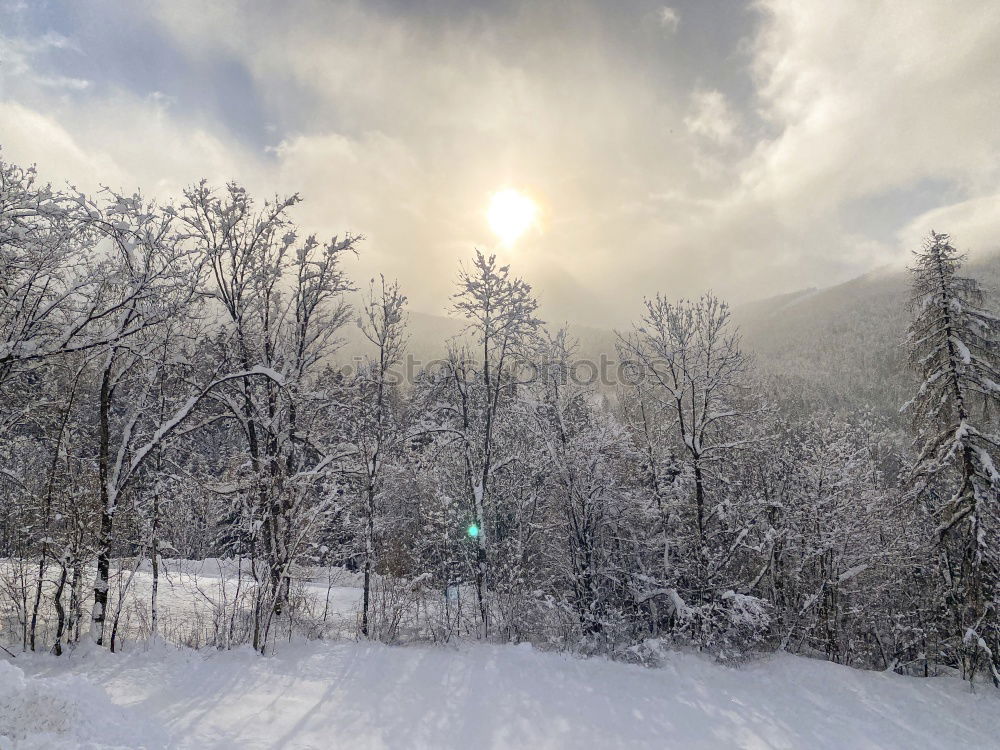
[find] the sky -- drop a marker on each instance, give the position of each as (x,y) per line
(748,148)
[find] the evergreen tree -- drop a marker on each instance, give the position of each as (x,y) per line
(955,346)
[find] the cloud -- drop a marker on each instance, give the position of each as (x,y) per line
(121,142)
(18,60)
(867,97)
(29,136)
(410,128)
(669,18)
(973,224)
(711,118)
(658,167)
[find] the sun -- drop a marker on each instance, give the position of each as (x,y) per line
(511,214)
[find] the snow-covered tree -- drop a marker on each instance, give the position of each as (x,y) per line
(955,347)
(691,354)
(374,424)
(696,412)
(583,452)
(58,283)
(282,299)
(500,311)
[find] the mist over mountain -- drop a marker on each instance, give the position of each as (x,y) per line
(839,347)
(843,346)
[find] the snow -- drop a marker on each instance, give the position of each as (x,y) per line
(350,695)
(66,713)
(988,466)
(267,372)
(852,573)
(192,593)
(344,694)
(963,350)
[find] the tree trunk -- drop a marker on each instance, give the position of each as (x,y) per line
(107,510)
(60,610)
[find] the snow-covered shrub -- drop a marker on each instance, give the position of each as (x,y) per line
(731,626)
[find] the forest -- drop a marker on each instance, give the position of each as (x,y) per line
(172,390)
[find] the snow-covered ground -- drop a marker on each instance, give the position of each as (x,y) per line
(349,695)
(195,599)
(343,694)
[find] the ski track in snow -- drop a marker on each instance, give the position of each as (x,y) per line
(350,695)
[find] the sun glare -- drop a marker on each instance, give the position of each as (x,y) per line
(511,214)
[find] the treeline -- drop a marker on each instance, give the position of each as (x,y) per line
(169,388)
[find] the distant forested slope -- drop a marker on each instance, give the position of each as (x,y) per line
(840,347)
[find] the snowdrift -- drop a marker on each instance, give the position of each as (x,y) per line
(67,712)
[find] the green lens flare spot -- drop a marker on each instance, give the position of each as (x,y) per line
(473,530)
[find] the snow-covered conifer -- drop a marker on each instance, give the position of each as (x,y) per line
(955,347)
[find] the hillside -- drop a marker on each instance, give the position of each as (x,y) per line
(840,346)
(844,345)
